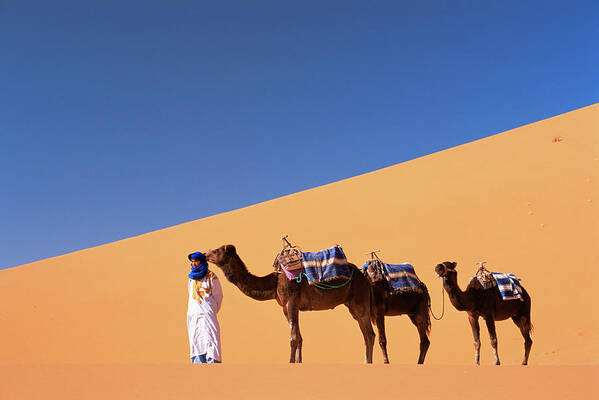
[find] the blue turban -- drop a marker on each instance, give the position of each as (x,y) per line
(201,270)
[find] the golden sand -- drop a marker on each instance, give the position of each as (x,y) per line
(521,200)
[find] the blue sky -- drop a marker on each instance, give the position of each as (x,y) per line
(122,117)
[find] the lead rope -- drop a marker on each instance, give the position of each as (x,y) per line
(443,307)
(323,285)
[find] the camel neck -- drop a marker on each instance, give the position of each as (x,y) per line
(458,298)
(258,288)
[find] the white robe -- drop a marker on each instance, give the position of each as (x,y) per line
(202,325)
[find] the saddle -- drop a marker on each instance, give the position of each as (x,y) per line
(376,272)
(485,277)
(290,261)
(400,277)
(318,267)
(508,284)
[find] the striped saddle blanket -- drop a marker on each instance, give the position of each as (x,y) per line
(508,285)
(325,265)
(402,278)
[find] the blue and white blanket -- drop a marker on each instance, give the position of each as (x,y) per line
(508,285)
(325,265)
(402,277)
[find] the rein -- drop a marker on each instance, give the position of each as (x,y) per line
(443,307)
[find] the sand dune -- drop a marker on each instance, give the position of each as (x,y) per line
(268,381)
(524,203)
(519,200)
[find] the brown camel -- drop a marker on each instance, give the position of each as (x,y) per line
(386,303)
(488,304)
(294,297)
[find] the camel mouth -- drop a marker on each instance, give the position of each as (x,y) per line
(210,257)
(440,270)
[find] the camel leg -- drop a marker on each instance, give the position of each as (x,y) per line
(380,324)
(368,333)
(286,313)
(525,327)
(292,315)
(361,313)
(491,327)
(421,324)
(476,333)
(300,341)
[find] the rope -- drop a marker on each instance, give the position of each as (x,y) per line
(443,307)
(325,286)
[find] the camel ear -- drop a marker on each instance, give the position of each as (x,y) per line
(451,265)
(229,248)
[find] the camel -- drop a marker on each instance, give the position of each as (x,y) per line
(414,304)
(294,297)
(488,304)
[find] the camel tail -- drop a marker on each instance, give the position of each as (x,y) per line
(429,325)
(371,298)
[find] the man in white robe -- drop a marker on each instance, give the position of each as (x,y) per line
(205,300)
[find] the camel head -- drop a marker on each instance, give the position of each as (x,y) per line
(445,269)
(221,255)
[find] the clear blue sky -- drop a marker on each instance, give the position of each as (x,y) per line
(122,117)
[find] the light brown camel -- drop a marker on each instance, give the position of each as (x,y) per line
(294,297)
(386,303)
(488,304)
